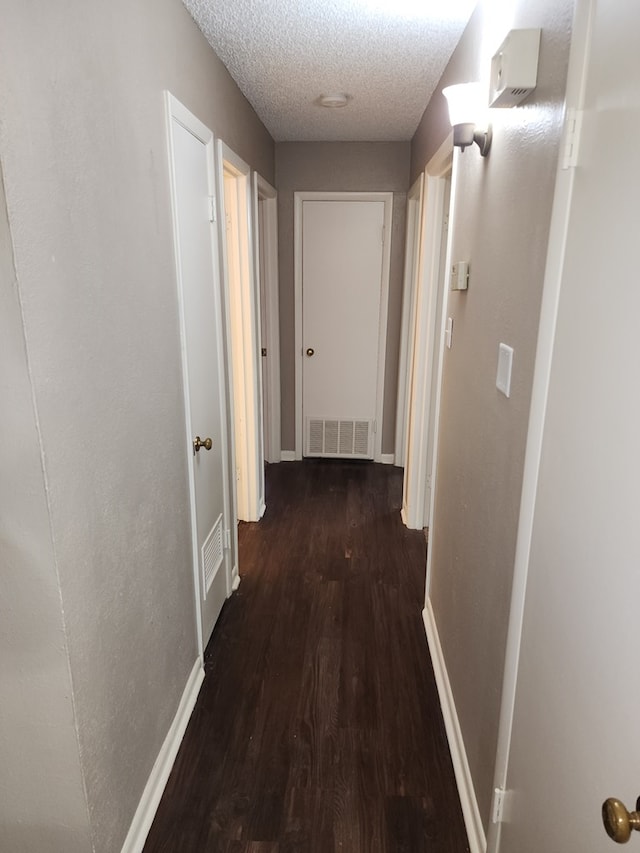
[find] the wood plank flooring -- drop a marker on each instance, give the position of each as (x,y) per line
(318,728)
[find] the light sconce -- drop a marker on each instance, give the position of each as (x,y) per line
(465,107)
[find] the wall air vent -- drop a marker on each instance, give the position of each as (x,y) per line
(339,438)
(212,554)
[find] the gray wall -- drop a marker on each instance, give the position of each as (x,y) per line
(348,167)
(500,224)
(96,535)
(39,756)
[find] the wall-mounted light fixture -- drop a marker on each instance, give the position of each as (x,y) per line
(465,101)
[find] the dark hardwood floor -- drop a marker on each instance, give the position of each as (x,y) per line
(318,728)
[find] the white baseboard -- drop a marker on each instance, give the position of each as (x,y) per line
(261,509)
(387,458)
(466,792)
(235,579)
(152,794)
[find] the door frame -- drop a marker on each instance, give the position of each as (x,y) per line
(268,287)
(560,216)
(298,200)
(409,287)
(426,344)
(243,342)
(174,110)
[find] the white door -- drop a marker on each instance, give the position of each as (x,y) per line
(575,739)
(342,286)
(199,296)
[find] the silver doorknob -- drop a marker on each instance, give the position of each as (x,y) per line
(198,443)
(310,351)
(618,821)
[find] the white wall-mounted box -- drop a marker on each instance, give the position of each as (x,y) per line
(514,68)
(460,276)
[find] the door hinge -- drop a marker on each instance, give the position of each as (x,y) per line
(571,141)
(264,352)
(500,805)
(227,539)
(213,213)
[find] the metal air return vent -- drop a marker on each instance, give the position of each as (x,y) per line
(344,439)
(212,554)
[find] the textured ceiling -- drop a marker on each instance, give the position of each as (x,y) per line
(387,55)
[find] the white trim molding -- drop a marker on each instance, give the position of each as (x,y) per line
(429,299)
(235,579)
(156,783)
(288,456)
(387,458)
(299,199)
(409,287)
(243,329)
(266,265)
(466,792)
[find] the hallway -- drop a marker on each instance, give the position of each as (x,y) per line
(318,726)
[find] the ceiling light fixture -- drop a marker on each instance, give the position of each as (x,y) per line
(465,108)
(335,100)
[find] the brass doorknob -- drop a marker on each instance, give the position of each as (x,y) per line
(198,443)
(310,351)
(618,821)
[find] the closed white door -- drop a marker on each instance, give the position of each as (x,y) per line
(199,292)
(342,285)
(575,738)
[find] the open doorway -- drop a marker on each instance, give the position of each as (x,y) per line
(425,340)
(265,207)
(242,312)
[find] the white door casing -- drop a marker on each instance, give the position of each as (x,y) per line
(409,286)
(438,343)
(342,272)
(567,734)
(426,342)
(192,190)
(243,330)
(266,264)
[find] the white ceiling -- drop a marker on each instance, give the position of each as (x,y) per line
(387,55)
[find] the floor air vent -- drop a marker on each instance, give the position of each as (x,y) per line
(212,554)
(347,439)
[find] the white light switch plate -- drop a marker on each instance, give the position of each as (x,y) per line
(448,332)
(505,362)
